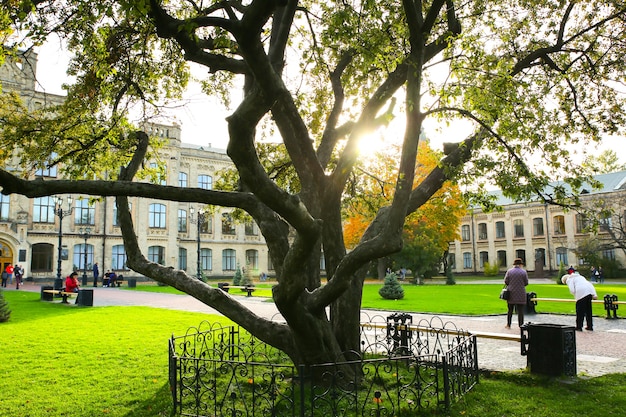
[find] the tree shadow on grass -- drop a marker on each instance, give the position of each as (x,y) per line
(158,405)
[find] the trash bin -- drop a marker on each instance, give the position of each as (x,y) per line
(530,305)
(132,282)
(551,348)
(46,296)
(85,298)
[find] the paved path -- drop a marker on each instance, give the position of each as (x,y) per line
(599,352)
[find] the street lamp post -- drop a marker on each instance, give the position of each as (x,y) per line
(60,213)
(85,233)
(198,221)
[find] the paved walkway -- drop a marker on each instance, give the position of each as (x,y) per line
(599,352)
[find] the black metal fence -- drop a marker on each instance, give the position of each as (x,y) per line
(403,368)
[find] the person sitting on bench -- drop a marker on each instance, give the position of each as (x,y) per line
(71,284)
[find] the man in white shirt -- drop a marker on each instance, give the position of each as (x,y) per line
(583,291)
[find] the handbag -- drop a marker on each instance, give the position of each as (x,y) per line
(504,294)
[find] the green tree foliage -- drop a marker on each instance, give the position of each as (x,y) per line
(238,276)
(5,312)
(391,289)
(531,79)
(604,163)
(491,270)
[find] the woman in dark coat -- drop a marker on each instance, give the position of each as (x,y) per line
(516,280)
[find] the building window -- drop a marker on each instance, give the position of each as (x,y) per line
(561,256)
(559,225)
(156,254)
(229,260)
(182,221)
(581,223)
(84,213)
(518,228)
(500,230)
(467,260)
(270,264)
(79,257)
(502,258)
(182,180)
(252,258)
(206,259)
(251,229)
(207,223)
(482,231)
(451,261)
(540,255)
(41,258)
(48,171)
(182,259)
(4,207)
(157,216)
(43,210)
(483,258)
(465,233)
(116,220)
(205,182)
(118,259)
(228,225)
(537,226)
(606,222)
(608,254)
(322,262)
(159,176)
(521,253)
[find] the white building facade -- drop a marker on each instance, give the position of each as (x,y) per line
(544,236)
(49,237)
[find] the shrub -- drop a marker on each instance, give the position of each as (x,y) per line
(491,270)
(5,313)
(562,271)
(237,277)
(391,289)
(246,279)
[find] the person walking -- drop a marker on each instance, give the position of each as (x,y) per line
(19,274)
(516,280)
(583,291)
(96,273)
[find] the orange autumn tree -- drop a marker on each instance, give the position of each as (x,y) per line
(427,232)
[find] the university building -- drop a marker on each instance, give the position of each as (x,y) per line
(542,235)
(51,236)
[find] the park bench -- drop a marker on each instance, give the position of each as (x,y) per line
(611,303)
(224,286)
(62,293)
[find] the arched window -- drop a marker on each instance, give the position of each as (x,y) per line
(42,257)
(229,260)
(78,259)
(118,259)
(156,254)
(252,258)
(206,259)
(157,217)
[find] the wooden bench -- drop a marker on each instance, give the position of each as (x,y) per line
(62,293)
(247,288)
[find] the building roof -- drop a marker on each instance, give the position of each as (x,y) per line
(609,182)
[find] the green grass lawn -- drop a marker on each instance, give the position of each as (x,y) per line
(60,360)
(461,299)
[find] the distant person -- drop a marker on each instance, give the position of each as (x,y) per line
(105,279)
(583,291)
(112,279)
(4,279)
(19,273)
(96,274)
(9,270)
(516,280)
(600,275)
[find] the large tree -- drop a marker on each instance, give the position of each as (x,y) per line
(534,78)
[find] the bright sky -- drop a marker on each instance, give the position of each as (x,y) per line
(203,119)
